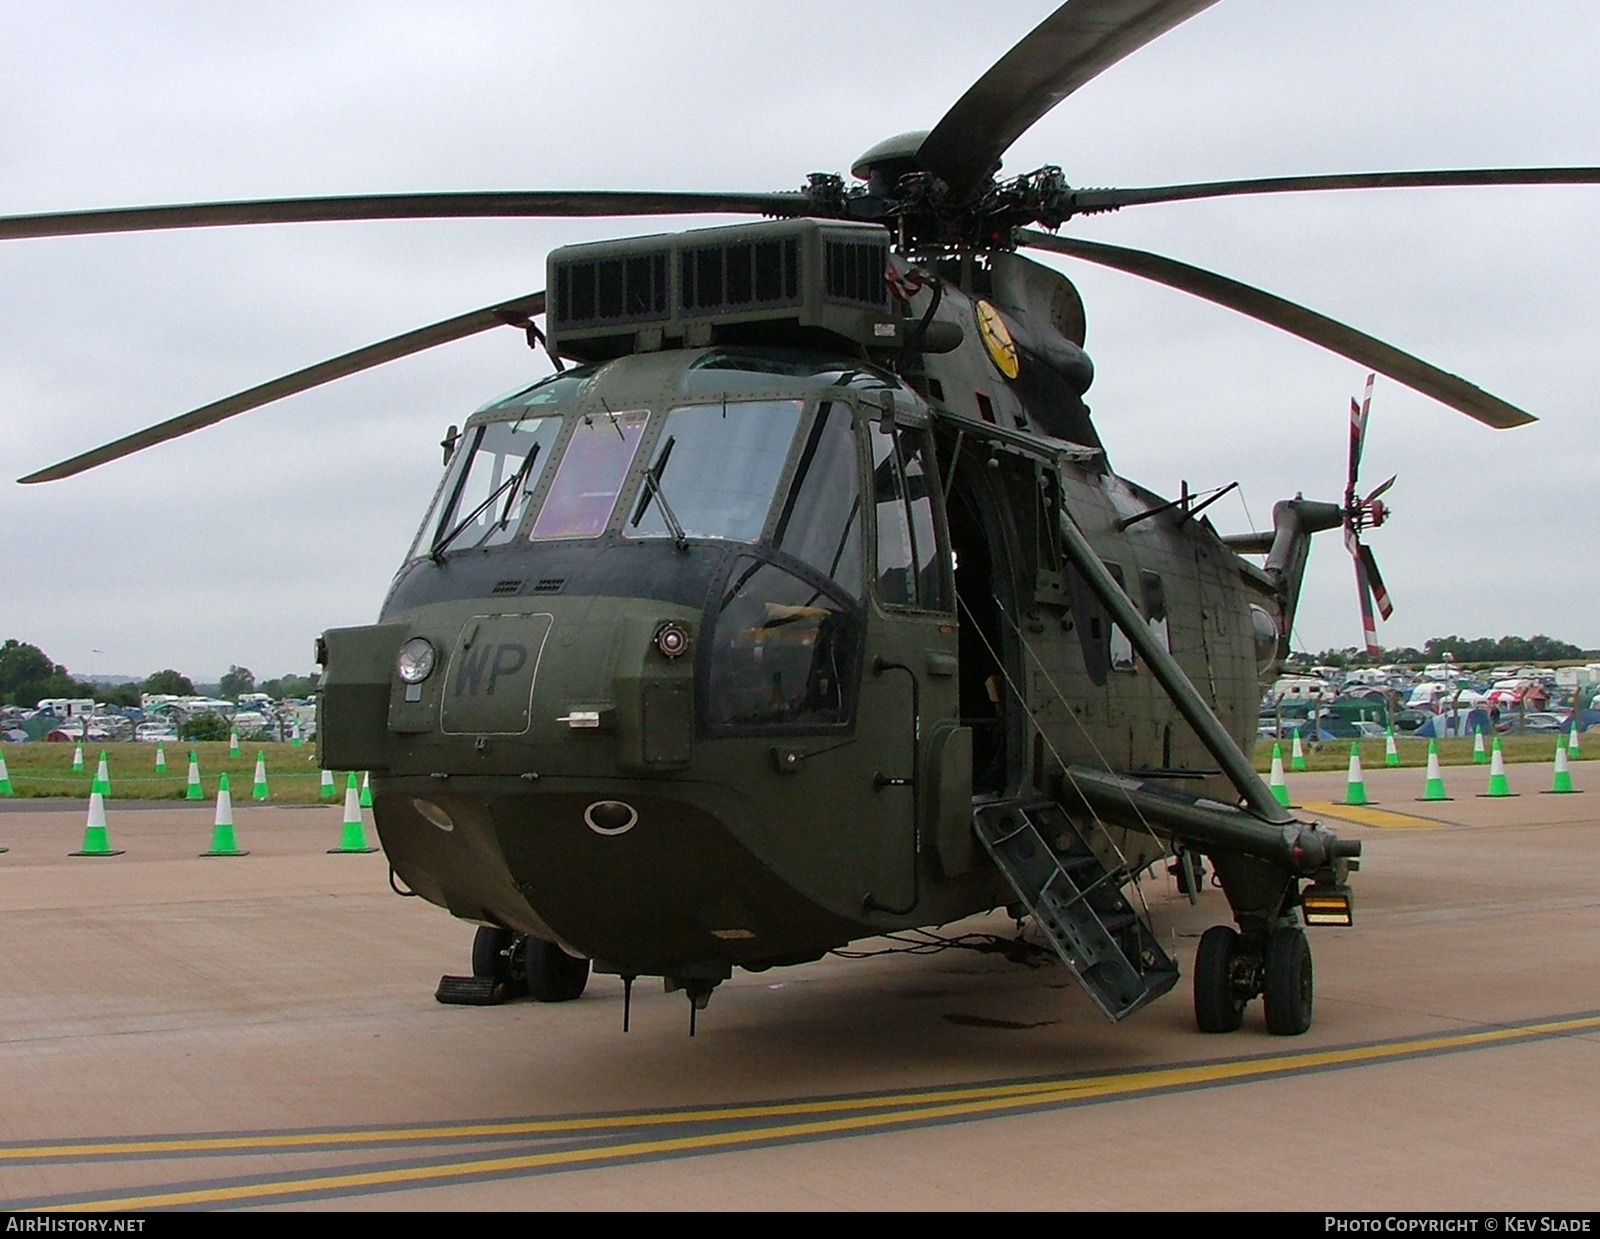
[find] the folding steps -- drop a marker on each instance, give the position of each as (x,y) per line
(1077,902)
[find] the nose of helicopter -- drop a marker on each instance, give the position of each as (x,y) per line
(538,774)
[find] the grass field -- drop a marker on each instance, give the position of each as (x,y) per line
(46,770)
(293,776)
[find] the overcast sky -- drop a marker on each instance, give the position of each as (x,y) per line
(241,543)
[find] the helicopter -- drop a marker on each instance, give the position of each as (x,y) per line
(657,688)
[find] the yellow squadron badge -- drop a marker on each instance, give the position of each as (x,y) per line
(1002,348)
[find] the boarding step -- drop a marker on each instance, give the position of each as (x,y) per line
(1077,901)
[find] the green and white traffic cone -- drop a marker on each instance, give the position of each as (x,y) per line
(259,791)
(294,735)
(192,791)
(1572,742)
(161,758)
(327,785)
(1280,789)
(1297,755)
(1391,755)
(77,758)
(1434,788)
(1560,784)
(5,778)
(233,743)
(366,791)
(95,840)
(102,776)
(1497,773)
(353,838)
(222,841)
(1355,789)
(1479,756)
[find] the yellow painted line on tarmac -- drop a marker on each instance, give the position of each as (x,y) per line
(893,1111)
(1367,815)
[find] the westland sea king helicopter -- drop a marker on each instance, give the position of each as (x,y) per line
(802,604)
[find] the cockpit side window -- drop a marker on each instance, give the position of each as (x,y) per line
(910,572)
(819,521)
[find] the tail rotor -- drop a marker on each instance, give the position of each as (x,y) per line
(1365,513)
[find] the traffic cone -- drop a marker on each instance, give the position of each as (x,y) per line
(1297,755)
(102,776)
(294,735)
(1280,789)
(5,778)
(233,743)
(1572,742)
(1560,784)
(222,840)
(77,758)
(327,785)
(193,792)
(353,838)
(1434,788)
(1478,754)
(259,791)
(95,840)
(1497,773)
(161,758)
(1355,790)
(1391,755)
(366,791)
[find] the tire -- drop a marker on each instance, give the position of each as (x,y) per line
(500,953)
(1217,1006)
(553,975)
(488,952)
(1288,993)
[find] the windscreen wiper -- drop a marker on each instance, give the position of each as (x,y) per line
(510,484)
(653,491)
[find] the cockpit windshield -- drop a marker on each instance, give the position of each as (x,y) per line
(714,470)
(492,477)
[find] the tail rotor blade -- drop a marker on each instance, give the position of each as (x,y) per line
(1369,627)
(1369,564)
(1380,489)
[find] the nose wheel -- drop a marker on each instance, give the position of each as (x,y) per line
(1228,974)
(517,964)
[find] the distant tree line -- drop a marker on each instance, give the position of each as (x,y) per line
(27,676)
(1536,649)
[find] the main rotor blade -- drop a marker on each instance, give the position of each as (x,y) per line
(1297,320)
(512,204)
(513,313)
(1090,200)
(1074,44)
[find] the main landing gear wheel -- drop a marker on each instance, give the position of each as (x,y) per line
(501,955)
(1218,1003)
(553,975)
(1287,995)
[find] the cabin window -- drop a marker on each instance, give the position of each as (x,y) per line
(590,476)
(819,521)
(491,480)
(910,571)
(783,652)
(1122,655)
(715,468)
(1155,606)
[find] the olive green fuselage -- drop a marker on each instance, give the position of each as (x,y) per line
(558,773)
